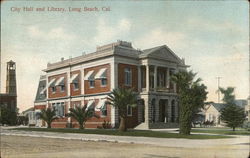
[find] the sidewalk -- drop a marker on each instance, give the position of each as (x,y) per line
(167,142)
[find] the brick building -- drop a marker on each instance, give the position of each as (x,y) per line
(88,79)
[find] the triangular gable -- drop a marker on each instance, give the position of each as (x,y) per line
(162,52)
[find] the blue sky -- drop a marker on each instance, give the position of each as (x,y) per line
(212,36)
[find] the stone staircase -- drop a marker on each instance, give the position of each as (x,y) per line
(156,125)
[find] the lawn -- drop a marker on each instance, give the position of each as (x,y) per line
(223,131)
(135,133)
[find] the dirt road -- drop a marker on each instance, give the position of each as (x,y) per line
(31,147)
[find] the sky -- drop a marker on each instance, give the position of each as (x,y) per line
(212,36)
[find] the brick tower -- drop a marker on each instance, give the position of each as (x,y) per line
(11,78)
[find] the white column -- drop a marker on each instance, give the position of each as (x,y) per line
(114,84)
(139,78)
(69,93)
(68,83)
(174,84)
(147,78)
(114,75)
(82,81)
(155,78)
(167,78)
(146,112)
(47,92)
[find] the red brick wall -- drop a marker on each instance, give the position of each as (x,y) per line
(101,118)
(121,76)
(72,91)
(91,123)
(39,106)
(98,88)
(60,122)
(132,121)
(58,92)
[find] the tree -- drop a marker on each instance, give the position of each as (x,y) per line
(231,114)
(48,115)
(121,98)
(229,97)
(7,116)
(192,95)
(82,114)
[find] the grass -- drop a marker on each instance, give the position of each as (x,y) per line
(224,131)
(135,133)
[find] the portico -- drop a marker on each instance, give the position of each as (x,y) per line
(159,106)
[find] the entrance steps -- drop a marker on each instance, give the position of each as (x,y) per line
(142,126)
(156,125)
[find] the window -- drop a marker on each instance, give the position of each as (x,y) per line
(76,86)
(161,80)
(103,82)
(62,88)
(128,77)
(53,89)
(151,81)
(59,109)
(76,105)
(104,110)
(129,111)
(92,83)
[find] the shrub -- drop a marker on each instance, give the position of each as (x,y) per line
(106,125)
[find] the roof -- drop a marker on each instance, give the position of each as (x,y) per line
(162,52)
(218,106)
(41,96)
(120,48)
(150,50)
(241,102)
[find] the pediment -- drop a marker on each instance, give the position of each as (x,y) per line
(165,54)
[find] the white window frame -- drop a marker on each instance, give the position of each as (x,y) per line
(53,89)
(58,108)
(62,89)
(106,110)
(104,85)
(128,76)
(91,81)
(74,86)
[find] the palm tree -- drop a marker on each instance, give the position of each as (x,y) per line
(192,95)
(121,98)
(48,115)
(82,114)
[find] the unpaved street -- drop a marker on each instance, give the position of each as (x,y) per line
(33,147)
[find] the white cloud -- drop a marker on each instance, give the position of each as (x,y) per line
(158,36)
(54,33)
(34,31)
(212,25)
(106,33)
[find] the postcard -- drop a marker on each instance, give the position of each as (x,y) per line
(131,78)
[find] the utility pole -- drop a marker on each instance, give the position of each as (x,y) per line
(218,81)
